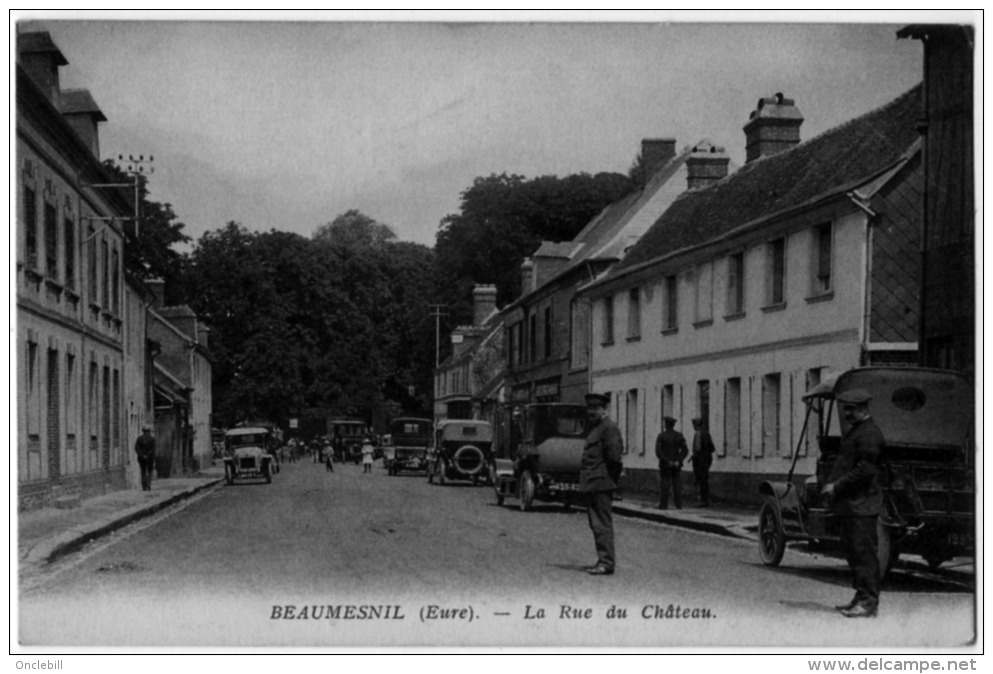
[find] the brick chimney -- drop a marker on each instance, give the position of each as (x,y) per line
(83,115)
(157,286)
(772,127)
(203,334)
(527,276)
(41,58)
(656,153)
(707,164)
(483,303)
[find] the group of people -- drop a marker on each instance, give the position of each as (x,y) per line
(852,487)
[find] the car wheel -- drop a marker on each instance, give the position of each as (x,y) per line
(525,490)
(772,538)
(229,474)
(430,474)
(267,473)
(499,499)
(440,467)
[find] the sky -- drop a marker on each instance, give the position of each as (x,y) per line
(287,124)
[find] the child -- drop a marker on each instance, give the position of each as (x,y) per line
(367,452)
(329,461)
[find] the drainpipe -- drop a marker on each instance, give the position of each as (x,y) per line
(871,219)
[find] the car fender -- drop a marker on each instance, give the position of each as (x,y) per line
(787,498)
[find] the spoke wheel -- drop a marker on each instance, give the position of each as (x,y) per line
(440,468)
(887,551)
(772,538)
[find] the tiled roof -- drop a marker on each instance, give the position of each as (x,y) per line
(75,101)
(836,159)
(556,249)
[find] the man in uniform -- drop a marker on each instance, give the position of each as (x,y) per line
(600,472)
(144,447)
(671,450)
(856,499)
(702,458)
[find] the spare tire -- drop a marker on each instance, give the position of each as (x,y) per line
(469,460)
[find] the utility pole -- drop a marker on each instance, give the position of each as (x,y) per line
(437,310)
(135,168)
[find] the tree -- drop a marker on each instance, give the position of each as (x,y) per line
(353,229)
(503,219)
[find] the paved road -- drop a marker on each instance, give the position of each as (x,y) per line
(223,569)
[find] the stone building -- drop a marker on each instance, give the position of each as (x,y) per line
(71,310)
(747,292)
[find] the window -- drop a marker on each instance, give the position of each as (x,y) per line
(70,253)
(520,342)
(732,415)
(533,338)
(51,241)
(777,272)
(106,416)
(822,259)
(608,319)
(704,294)
(30,227)
(670,303)
(94,405)
(703,401)
(71,414)
(34,406)
(770,414)
(634,313)
(814,377)
(632,442)
(105,295)
(91,272)
(668,394)
(115,282)
(548,332)
(579,349)
(52,421)
(736,284)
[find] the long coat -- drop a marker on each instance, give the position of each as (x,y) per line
(601,465)
(856,470)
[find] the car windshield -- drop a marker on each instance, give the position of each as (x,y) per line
(559,421)
(249,439)
(410,427)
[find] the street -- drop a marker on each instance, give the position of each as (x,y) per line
(318,559)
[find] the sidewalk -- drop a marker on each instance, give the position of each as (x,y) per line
(723,519)
(49,533)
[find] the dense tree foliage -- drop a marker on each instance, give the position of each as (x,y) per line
(339,320)
(503,219)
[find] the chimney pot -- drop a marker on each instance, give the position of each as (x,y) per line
(773,126)
(527,276)
(707,164)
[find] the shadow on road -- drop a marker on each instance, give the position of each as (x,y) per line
(897,581)
(808,606)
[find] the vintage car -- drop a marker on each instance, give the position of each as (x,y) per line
(408,450)
(247,454)
(352,432)
(927,470)
(545,455)
(463,450)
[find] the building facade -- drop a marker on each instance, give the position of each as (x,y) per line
(467,384)
(746,293)
(71,330)
(547,328)
(183,402)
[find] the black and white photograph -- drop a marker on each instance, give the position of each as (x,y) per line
(503,331)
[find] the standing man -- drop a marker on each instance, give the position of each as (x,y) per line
(600,472)
(671,450)
(702,458)
(144,447)
(856,499)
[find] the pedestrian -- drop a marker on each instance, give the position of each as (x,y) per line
(367,451)
(671,450)
(856,500)
(600,473)
(328,457)
(315,448)
(144,447)
(702,458)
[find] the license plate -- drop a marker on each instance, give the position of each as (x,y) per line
(567,487)
(960,539)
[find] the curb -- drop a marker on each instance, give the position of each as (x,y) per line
(47,551)
(720,528)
